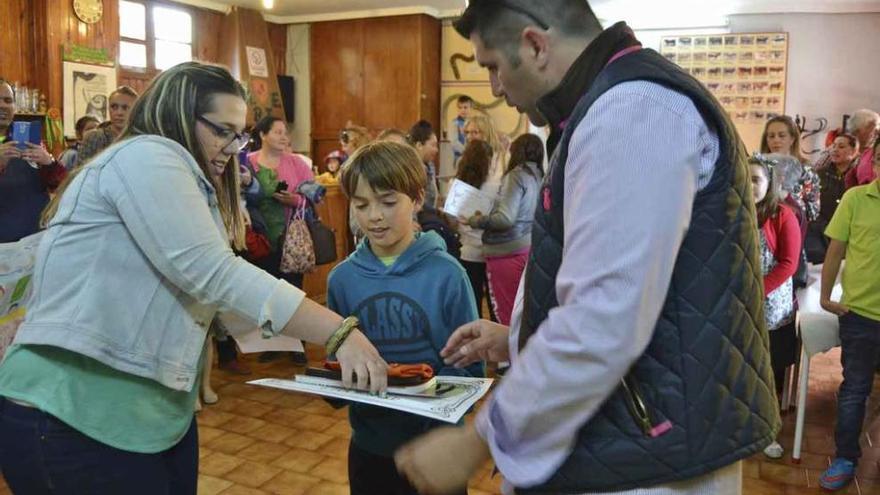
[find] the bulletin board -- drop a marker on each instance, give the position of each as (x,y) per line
(746,72)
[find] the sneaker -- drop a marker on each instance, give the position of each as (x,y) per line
(774,451)
(838,475)
(299,358)
(235,367)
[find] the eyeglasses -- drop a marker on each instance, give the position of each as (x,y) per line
(230,136)
(506,5)
(344,137)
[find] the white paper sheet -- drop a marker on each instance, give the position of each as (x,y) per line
(463,200)
(450,408)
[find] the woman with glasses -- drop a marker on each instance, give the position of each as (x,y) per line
(98,389)
(279,173)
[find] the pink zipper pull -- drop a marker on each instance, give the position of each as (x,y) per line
(661,429)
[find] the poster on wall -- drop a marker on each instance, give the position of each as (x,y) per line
(257,64)
(745,71)
(87,90)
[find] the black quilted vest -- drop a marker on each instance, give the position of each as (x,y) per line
(706,372)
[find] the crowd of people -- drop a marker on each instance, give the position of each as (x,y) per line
(638,273)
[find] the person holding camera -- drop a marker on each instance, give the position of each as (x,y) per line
(279,173)
(27,174)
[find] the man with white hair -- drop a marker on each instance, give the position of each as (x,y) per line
(863,125)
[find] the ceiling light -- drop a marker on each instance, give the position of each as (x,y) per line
(268,4)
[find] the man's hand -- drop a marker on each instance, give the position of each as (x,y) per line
(834,307)
(8,151)
(37,154)
(441,462)
(481,340)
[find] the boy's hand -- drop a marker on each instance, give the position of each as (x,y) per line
(834,307)
(441,462)
(480,340)
(357,356)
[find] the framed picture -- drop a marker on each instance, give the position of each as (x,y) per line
(87,91)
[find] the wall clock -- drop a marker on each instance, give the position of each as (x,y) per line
(88,11)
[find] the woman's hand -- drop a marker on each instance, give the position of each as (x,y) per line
(358,357)
(37,154)
(481,340)
(474,220)
(834,307)
(287,198)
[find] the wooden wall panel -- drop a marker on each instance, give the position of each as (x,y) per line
(278,45)
(392,63)
(207,30)
(429,83)
(63,28)
(379,73)
(337,76)
(15,44)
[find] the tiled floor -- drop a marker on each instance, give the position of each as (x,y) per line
(264,441)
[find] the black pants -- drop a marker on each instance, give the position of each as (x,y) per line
(40,455)
(783,352)
(226,352)
(371,474)
(480,284)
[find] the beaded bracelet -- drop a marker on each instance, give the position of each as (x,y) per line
(335,341)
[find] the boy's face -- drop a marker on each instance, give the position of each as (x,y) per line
(464,110)
(386,217)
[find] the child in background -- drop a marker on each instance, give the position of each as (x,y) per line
(455,131)
(780,241)
(854,231)
(333,163)
(408,294)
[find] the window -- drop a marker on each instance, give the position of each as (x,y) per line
(153,36)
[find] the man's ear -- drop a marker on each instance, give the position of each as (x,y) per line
(536,43)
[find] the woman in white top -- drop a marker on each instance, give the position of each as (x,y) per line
(480,128)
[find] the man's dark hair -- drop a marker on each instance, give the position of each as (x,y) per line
(499,23)
(465,99)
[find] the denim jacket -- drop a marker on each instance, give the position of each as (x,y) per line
(136,263)
(509,227)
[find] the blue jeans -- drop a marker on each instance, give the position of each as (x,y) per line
(860,341)
(40,455)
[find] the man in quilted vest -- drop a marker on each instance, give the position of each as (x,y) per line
(640,362)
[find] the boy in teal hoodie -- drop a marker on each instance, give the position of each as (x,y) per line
(407,292)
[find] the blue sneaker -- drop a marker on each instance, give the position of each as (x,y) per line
(838,475)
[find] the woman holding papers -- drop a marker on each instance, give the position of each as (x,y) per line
(97,390)
(507,229)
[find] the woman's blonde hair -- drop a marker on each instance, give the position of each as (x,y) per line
(386,166)
(487,129)
(170,107)
(358,135)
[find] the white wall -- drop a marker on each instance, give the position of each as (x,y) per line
(298,59)
(833,63)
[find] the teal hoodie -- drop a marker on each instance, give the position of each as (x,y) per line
(408,311)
